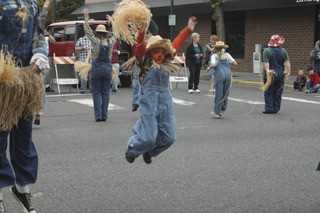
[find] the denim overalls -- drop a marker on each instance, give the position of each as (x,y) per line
(156,129)
(101,80)
(222,77)
(23,155)
(272,95)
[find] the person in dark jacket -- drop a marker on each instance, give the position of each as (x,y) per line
(194,56)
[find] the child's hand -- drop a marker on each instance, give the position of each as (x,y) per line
(192,23)
(85,12)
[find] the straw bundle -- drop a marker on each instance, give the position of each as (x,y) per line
(129,17)
(83,67)
(21,92)
(268,82)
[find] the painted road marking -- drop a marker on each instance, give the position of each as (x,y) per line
(262,102)
(89,102)
(300,100)
(182,102)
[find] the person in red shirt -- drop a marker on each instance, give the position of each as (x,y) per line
(313,82)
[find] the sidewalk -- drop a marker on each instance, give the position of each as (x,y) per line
(250,79)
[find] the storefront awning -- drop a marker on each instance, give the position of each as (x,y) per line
(158,8)
(162,7)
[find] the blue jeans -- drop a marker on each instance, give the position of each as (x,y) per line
(136,88)
(23,155)
(156,130)
(314,89)
(101,82)
(222,85)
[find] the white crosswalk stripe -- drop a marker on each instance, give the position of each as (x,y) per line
(182,102)
(89,102)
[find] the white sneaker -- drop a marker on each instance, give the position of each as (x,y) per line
(214,115)
(190,91)
(197,91)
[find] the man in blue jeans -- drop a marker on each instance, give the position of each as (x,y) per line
(24,39)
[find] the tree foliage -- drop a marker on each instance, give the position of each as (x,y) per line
(217,16)
(63,9)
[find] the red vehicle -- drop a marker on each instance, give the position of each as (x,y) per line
(66,35)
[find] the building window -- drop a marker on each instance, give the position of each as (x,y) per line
(235,32)
(234,23)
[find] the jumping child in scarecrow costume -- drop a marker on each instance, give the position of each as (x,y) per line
(155,131)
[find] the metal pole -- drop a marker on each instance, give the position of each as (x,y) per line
(53,11)
(171,27)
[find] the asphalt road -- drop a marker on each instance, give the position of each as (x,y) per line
(244,162)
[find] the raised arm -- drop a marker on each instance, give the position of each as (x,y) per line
(178,41)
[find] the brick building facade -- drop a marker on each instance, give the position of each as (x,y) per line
(296,20)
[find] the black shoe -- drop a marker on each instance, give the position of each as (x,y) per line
(82,92)
(129,158)
(98,119)
(36,120)
(23,199)
(269,112)
(135,107)
(147,158)
(2,208)
(48,89)
(103,119)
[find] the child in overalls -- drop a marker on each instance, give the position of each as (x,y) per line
(101,75)
(156,129)
(221,61)
(275,61)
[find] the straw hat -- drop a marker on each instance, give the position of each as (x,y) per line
(158,42)
(221,44)
(276,41)
(102,29)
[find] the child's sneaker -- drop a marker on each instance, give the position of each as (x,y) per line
(214,115)
(2,208)
(24,199)
(129,158)
(190,91)
(147,158)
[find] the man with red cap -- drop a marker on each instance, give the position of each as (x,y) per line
(277,66)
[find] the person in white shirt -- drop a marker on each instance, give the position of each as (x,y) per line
(220,61)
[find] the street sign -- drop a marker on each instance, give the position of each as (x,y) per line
(172,20)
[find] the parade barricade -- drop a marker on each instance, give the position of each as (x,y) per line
(65,60)
(183,77)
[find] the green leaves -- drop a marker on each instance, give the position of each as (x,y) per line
(214,3)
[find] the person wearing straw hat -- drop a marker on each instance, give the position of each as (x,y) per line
(22,37)
(101,74)
(275,60)
(220,61)
(155,131)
